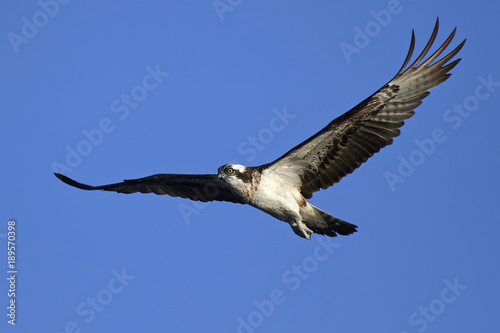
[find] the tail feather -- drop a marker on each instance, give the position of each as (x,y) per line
(325,224)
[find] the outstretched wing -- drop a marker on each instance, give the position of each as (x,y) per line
(195,187)
(351,139)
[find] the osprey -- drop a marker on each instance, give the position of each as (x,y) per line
(280,188)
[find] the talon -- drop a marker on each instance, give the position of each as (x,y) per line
(307,232)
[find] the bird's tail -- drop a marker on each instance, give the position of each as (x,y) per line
(325,224)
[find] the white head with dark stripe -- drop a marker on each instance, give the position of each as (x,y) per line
(241,179)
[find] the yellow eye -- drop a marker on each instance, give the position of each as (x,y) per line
(230,170)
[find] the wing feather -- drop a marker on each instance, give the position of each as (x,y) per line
(195,187)
(351,139)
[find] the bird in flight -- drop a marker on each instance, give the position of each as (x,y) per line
(280,188)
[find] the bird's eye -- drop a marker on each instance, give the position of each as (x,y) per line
(230,170)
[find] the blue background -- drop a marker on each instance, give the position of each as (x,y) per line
(426,254)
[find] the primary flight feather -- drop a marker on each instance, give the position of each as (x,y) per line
(280,188)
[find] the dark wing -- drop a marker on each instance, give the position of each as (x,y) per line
(195,187)
(348,141)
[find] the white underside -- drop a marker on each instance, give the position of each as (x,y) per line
(279,196)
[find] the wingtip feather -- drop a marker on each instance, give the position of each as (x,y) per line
(73,183)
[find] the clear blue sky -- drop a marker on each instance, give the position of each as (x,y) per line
(109,91)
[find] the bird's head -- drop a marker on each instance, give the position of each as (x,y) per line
(237,176)
(229,172)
